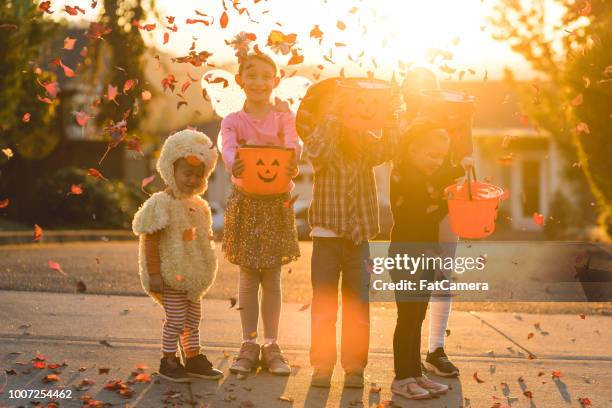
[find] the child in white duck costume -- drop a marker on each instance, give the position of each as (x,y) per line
(177,261)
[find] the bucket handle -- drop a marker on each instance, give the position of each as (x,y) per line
(470,174)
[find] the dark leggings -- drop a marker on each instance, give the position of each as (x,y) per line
(411,310)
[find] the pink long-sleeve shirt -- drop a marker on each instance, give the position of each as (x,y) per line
(240,128)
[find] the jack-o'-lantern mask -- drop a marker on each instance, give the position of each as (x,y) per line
(365,103)
(265,170)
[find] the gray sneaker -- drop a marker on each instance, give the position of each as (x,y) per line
(353,379)
(247,360)
(321,378)
(273,360)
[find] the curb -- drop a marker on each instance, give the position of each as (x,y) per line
(60,236)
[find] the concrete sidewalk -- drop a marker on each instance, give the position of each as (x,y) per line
(93,333)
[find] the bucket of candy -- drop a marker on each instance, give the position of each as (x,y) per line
(265,169)
(366,102)
(472,207)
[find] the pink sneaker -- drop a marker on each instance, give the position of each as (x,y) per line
(409,388)
(433,387)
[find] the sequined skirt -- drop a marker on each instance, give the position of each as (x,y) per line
(259,232)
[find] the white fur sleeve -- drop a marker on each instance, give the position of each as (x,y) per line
(152,216)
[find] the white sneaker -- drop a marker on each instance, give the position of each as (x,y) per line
(433,387)
(409,388)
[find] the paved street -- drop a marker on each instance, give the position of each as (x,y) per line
(93,332)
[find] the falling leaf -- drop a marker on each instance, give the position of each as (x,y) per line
(105,343)
(56,267)
(26,117)
(538,219)
(475,376)
(69,72)
(69,43)
(8,26)
(316,33)
(146,181)
(286,398)
(38,232)
(583,128)
(304,307)
(169,82)
(530,336)
(448,332)
(52,88)
(295,58)
(96,173)
(4,203)
(129,84)
(81,118)
(111,93)
(145,95)
(232,302)
(556,374)
(224,20)
(340,25)
(528,394)
(577,100)
(8,152)
(46,7)
(582,316)
(587,81)
(166,37)
(103,370)
(584,401)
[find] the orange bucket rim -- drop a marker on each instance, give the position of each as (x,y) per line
(498,189)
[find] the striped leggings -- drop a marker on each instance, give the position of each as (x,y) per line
(182,321)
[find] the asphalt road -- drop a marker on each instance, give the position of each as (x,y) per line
(111,268)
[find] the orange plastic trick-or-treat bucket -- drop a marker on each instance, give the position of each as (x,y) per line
(472,207)
(265,169)
(365,102)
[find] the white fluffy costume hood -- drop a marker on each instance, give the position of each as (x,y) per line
(186,247)
(182,145)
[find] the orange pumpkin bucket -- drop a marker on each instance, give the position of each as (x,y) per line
(367,102)
(472,207)
(265,169)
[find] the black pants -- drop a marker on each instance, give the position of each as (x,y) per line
(411,310)
(333,258)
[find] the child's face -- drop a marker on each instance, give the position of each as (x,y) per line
(188,178)
(257,79)
(427,157)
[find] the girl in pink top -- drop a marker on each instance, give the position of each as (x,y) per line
(259,233)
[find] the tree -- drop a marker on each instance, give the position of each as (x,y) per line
(26,124)
(572,103)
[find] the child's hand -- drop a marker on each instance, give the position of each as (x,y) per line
(237,168)
(156,283)
(280,105)
(467,162)
(292,166)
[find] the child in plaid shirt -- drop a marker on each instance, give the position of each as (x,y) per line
(343,215)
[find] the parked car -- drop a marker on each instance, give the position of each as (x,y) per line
(218,215)
(301,219)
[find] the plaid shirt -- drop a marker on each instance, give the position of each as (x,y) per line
(344,189)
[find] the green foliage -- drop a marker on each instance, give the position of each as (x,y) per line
(573,59)
(103,204)
(21,51)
